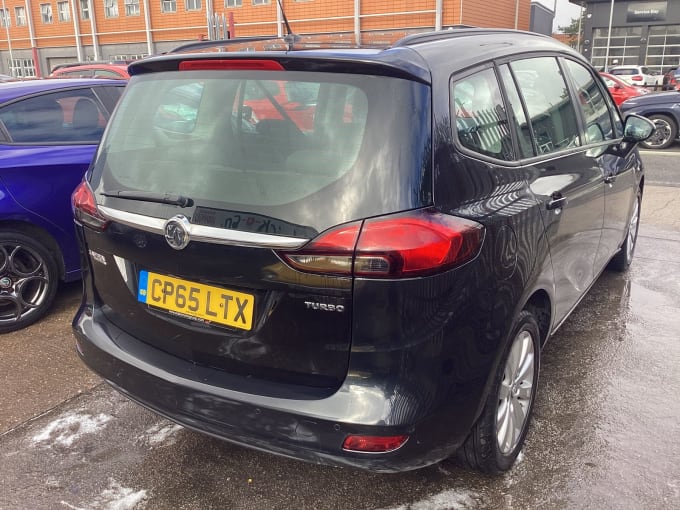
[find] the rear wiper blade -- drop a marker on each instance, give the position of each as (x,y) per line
(150,196)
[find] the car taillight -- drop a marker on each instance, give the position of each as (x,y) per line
(416,243)
(85,208)
(637,78)
(373,444)
(230,65)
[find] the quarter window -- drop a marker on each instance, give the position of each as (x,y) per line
(598,122)
(550,109)
(480,116)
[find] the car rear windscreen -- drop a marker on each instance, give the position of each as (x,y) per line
(305,150)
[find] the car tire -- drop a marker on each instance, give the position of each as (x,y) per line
(664,135)
(496,440)
(622,260)
(29,278)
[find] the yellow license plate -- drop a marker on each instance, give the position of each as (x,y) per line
(212,304)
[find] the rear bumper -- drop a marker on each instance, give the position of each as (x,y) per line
(309,427)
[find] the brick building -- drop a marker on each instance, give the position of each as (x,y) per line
(36,35)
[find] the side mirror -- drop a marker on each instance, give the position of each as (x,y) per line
(637,128)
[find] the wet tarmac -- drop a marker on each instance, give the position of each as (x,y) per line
(605,434)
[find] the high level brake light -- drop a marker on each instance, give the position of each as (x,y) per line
(416,243)
(230,65)
(85,208)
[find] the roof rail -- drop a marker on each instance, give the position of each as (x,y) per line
(450,32)
(200,45)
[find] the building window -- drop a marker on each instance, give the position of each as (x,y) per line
(168,6)
(192,5)
(132,7)
(4,18)
(233,3)
(84,10)
(260,2)
(22,67)
(111,8)
(663,47)
(624,46)
(46,13)
(63,11)
(20,14)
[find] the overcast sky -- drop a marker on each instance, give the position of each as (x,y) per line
(565,11)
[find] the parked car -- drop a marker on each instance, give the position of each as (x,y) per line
(110,71)
(671,80)
(620,90)
(374,291)
(49,131)
(663,109)
(640,76)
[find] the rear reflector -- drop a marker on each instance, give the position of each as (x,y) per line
(85,208)
(416,243)
(373,444)
(230,65)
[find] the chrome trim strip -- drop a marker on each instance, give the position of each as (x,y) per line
(203,233)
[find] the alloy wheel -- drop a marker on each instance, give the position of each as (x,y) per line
(516,392)
(24,282)
(661,135)
(632,230)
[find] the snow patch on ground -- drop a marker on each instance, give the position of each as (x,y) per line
(446,500)
(116,497)
(161,434)
(65,430)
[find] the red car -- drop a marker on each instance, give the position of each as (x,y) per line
(111,71)
(620,90)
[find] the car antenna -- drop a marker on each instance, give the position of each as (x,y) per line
(291,38)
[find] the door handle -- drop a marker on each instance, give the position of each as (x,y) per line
(556,201)
(610,179)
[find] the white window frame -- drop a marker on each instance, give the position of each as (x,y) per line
(192,5)
(22,67)
(5,20)
(46,13)
(84,10)
(261,2)
(233,3)
(168,6)
(63,15)
(20,15)
(132,7)
(111,8)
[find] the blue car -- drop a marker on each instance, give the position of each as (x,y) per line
(49,131)
(663,109)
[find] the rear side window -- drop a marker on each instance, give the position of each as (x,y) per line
(61,117)
(596,114)
(548,103)
(624,72)
(480,115)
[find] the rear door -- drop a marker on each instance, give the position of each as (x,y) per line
(49,142)
(570,184)
(252,165)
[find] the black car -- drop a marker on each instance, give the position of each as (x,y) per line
(369,285)
(663,109)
